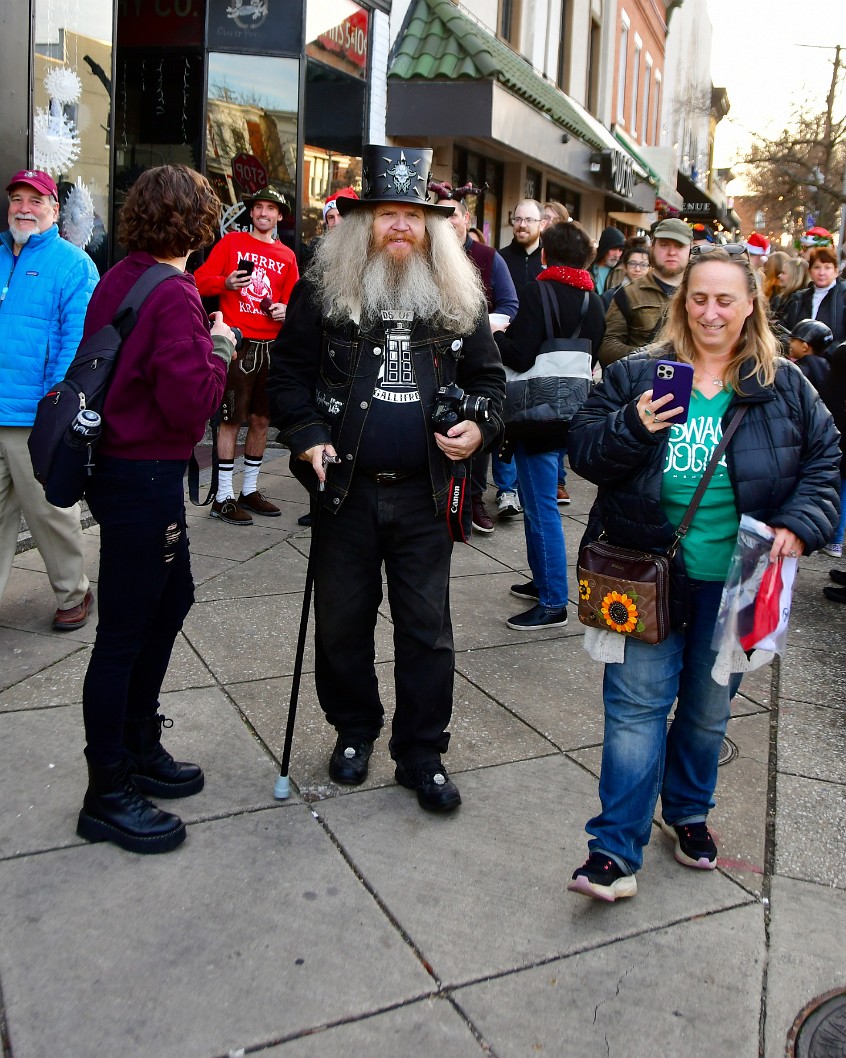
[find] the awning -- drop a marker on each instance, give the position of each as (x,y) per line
(443,44)
(663,190)
(697,205)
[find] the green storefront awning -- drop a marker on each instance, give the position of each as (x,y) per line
(441,42)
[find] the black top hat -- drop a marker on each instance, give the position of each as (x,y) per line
(268,194)
(393,174)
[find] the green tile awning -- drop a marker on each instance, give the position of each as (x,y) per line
(443,43)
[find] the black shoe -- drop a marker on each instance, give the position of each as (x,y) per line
(529,590)
(436,792)
(152,768)
(113,810)
(694,845)
(602,879)
(835,594)
(304,520)
(537,618)
(838,576)
(349,761)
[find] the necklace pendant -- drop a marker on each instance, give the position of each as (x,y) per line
(718,382)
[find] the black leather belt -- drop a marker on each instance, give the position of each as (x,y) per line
(389,477)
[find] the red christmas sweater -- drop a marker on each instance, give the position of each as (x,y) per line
(274,276)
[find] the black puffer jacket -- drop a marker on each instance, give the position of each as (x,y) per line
(783,461)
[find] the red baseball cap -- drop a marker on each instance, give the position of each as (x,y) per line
(43,183)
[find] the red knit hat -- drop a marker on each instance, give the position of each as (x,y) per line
(758,245)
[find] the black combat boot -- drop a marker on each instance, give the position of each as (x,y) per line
(114,810)
(153,769)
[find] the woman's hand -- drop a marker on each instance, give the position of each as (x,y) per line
(785,545)
(219,327)
(655,415)
(461,442)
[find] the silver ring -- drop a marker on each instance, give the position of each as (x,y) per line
(791,554)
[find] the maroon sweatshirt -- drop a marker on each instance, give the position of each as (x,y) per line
(167,381)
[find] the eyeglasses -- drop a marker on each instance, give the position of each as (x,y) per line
(637,264)
(528,221)
(733,249)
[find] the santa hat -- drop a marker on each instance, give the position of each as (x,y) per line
(330,203)
(817,236)
(758,245)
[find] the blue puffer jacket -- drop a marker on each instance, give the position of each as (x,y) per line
(783,462)
(41,316)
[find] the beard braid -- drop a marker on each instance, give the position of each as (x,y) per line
(438,283)
(391,284)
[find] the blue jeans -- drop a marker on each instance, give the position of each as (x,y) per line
(537,477)
(562,467)
(504,474)
(640,758)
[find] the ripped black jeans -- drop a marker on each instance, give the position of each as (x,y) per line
(144,593)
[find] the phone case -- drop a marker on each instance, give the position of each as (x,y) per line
(246,266)
(675,378)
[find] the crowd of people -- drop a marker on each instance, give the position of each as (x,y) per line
(384,367)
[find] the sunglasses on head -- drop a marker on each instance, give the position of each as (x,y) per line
(733,249)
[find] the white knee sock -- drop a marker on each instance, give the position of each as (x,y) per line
(224,482)
(252,466)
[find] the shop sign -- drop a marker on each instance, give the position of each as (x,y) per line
(616,170)
(348,40)
(265,27)
(249,172)
(155,23)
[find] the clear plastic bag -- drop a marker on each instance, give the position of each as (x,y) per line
(752,623)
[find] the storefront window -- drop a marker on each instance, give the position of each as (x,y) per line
(72,116)
(251,132)
(485,209)
(337,35)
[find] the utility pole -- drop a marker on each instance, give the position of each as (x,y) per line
(829,121)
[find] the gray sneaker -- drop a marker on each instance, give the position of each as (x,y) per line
(509,505)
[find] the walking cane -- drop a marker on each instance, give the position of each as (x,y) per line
(282,789)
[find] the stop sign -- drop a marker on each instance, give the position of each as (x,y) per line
(249,172)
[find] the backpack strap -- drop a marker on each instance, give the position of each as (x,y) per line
(550,310)
(127,314)
(621,300)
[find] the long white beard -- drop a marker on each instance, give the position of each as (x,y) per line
(391,284)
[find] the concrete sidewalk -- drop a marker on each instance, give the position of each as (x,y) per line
(349,922)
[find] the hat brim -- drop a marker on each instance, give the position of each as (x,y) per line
(349,205)
(284,210)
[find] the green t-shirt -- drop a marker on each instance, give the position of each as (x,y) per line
(710,541)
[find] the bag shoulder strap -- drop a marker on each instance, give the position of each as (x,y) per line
(127,314)
(550,309)
(621,300)
(681,532)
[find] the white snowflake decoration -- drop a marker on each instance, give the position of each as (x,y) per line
(78,215)
(55,143)
(63,84)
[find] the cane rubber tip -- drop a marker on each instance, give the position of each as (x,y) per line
(282,789)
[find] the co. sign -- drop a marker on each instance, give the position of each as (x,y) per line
(249,172)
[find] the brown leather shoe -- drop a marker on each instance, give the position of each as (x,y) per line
(563,496)
(228,511)
(75,617)
(255,503)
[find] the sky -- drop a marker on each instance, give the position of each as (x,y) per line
(757,58)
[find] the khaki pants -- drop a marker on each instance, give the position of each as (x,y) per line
(56,530)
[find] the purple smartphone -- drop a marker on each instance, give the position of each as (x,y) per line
(673,377)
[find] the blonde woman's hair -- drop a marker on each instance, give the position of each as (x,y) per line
(774,266)
(757,343)
(798,277)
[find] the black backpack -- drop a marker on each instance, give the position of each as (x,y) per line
(58,461)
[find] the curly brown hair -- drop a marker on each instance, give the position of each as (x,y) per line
(169,211)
